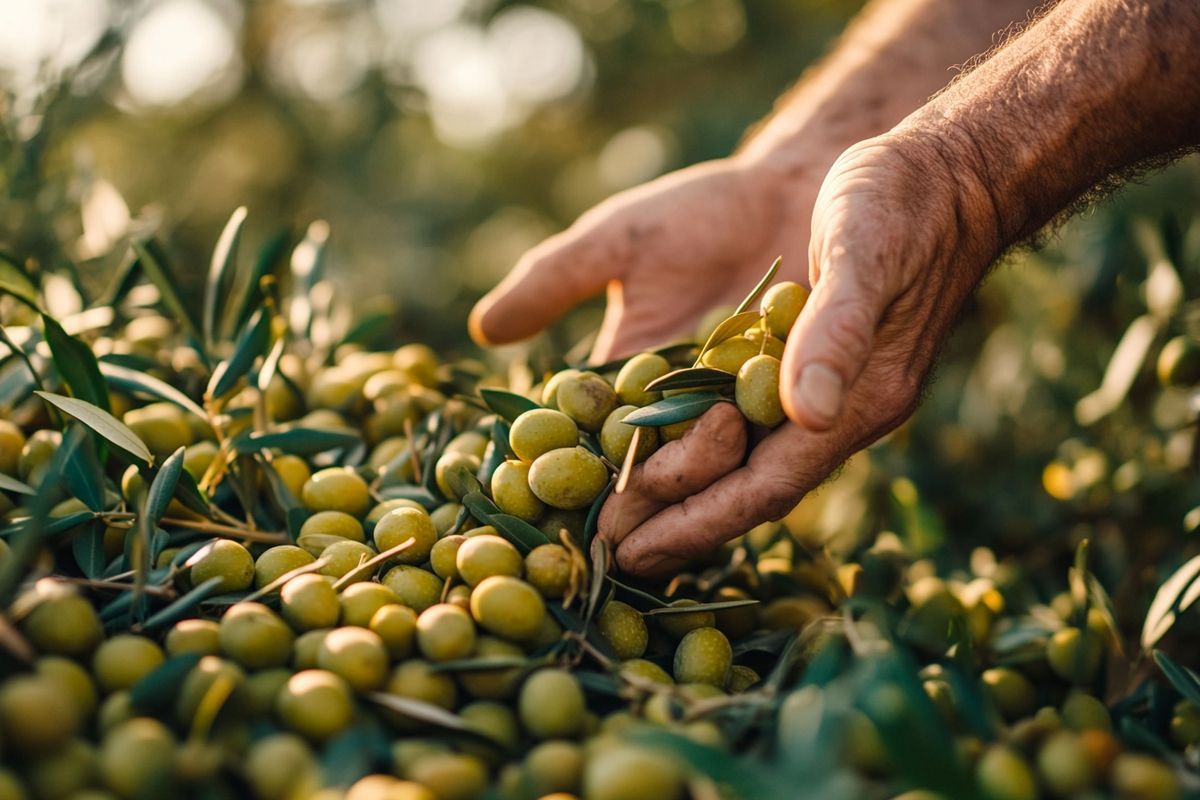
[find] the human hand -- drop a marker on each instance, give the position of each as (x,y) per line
(902,232)
(667,252)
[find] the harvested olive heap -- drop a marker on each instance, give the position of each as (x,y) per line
(243,560)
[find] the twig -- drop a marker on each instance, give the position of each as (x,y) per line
(272,537)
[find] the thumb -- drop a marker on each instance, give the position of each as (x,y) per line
(830,344)
(547,282)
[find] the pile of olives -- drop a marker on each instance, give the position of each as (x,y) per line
(399,595)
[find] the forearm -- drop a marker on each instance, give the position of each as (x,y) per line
(889,62)
(1093,88)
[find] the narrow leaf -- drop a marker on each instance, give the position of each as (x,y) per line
(88,549)
(519,532)
(158,273)
(1169,603)
(220,274)
(76,364)
(103,423)
(270,257)
(183,606)
(296,441)
(15,282)
(426,712)
(691,378)
(82,471)
(162,488)
(1182,678)
(506,404)
(251,343)
(677,408)
(158,692)
(760,286)
(11,484)
(682,609)
(138,383)
(731,327)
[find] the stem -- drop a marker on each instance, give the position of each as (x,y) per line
(273,537)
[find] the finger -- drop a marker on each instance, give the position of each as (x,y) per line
(830,343)
(714,446)
(548,281)
(781,470)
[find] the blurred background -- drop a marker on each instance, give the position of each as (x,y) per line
(441,138)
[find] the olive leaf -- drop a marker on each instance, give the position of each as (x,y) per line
(691,378)
(731,327)
(183,605)
(1182,678)
(102,423)
(657,602)
(251,343)
(82,471)
(14,282)
(1176,595)
(759,287)
(520,533)
(724,605)
(507,404)
(88,550)
(220,274)
(591,523)
(353,754)
(462,480)
(484,663)
(162,487)
(428,713)
(296,441)
(134,382)
(11,484)
(677,408)
(76,364)
(51,527)
(270,256)
(158,692)
(156,270)
(270,365)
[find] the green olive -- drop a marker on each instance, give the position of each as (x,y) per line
(638,371)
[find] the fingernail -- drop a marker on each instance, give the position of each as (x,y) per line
(820,391)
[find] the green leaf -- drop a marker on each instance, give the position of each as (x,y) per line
(353,754)
(14,281)
(88,549)
(296,441)
(270,256)
(523,536)
(82,471)
(76,364)
(158,692)
(54,525)
(158,273)
(682,609)
(162,488)
(1182,678)
(482,664)
(11,484)
(518,531)
(462,481)
(428,713)
(592,523)
(251,343)
(270,365)
(220,275)
(103,423)
(1174,597)
(183,606)
(677,408)
(729,328)
(691,378)
(760,286)
(139,383)
(506,404)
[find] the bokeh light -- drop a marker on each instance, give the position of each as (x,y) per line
(181,50)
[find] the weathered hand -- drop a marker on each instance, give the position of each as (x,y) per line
(667,252)
(901,236)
